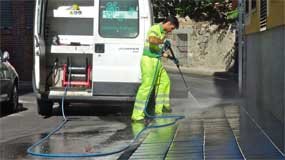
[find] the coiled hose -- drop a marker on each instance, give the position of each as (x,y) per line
(97,154)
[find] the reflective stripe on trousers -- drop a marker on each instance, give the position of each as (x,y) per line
(153,73)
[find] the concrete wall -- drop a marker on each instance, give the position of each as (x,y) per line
(264,88)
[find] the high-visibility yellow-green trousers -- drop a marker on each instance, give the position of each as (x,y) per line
(154,76)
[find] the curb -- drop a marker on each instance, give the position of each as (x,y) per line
(201,71)
(190,70)
(24,85)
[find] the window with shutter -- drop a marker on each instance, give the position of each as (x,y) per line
(250,8)
(263,15)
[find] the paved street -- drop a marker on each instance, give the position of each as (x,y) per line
(211,128)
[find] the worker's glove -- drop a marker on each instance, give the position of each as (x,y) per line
(174,59)
(166,44)
(160,52)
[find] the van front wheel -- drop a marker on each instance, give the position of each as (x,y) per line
(44,107)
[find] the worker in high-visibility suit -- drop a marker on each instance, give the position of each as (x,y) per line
(154,76)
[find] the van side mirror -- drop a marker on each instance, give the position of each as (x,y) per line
(6,56)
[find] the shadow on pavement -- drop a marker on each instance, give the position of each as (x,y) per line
(226,84)
(95,109)
(5,110)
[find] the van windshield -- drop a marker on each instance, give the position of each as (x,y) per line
(119,18)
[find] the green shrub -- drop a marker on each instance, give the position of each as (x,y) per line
(217,11)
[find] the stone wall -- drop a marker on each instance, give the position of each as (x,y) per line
(204,45)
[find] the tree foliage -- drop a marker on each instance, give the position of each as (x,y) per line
(214,10)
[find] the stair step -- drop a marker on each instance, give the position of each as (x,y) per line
(188,142)
(220,142)
(78,75)
(77,68)
(155,146)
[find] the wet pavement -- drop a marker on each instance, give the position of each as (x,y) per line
(216,126)
(80,135)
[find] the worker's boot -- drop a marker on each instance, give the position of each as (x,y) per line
(167,110)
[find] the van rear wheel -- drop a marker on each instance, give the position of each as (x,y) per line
(44,107)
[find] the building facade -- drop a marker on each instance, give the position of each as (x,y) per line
(16,34)
(263,76)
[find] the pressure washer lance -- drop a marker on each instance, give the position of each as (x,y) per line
(178,67)
(182,76)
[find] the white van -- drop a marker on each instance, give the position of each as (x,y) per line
(93,46)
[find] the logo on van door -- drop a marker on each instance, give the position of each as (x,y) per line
(111,9)
(75,10)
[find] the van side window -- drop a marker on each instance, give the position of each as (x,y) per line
(119,18)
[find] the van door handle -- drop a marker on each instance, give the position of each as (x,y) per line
(99,48)
(144,17)
(37,41)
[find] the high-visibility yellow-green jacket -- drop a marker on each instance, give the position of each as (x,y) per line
(153,50)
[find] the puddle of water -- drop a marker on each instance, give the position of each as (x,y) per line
(71,139)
